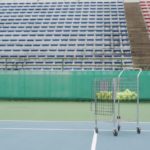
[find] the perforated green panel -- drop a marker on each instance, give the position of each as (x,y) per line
(59,85)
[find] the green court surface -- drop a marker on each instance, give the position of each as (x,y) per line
(63,111)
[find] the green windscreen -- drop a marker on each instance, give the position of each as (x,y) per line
(60,85)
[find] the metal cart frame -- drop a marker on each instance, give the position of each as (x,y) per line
(138,129)
(115,87)
(106,107)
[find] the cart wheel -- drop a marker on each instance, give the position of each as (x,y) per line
(118,117)
(138,130)
(115,132)
(118,127)
(96,130)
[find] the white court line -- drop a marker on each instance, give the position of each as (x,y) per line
(42,121)
(94,141)
(103,130)
(61,129)
(45,129)
(125,122)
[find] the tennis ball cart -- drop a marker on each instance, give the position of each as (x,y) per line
(109,92)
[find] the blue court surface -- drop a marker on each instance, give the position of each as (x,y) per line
(42,135)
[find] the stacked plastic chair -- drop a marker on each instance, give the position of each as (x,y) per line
(145,8)
(64,35)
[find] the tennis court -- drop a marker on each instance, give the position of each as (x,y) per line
(37,135)
(39,125)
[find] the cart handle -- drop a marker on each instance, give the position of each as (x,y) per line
(127,69)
